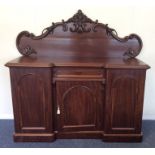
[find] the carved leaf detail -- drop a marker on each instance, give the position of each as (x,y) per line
(28,50)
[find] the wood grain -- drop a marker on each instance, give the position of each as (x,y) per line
(78,79)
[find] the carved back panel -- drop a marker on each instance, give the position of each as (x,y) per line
(79,36)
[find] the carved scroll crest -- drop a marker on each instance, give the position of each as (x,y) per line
(80,25)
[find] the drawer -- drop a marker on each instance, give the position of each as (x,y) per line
(74,72)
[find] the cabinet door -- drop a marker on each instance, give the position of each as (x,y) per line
(79,105)
(124,101)
(32,103)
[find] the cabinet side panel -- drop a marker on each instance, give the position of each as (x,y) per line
(32,102)
(31,92)
(124,101)
(123,94)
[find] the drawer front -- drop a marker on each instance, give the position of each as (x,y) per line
(73,72)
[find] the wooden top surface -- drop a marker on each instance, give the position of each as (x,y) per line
(77,62)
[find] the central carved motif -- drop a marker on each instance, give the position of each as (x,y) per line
(80,20)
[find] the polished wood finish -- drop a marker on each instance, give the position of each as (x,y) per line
(32,101)
(79,36)
(86,112)
(124,98)
(78,79)
(77,62)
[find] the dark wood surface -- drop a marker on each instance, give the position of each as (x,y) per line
(79,36)
(86,112)
(124,92)
(32,100)
(77,62)
(78,79)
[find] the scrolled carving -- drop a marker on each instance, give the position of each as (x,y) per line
(27,49)
(80,17)
(131,52)
(79,23)
(50,29)
(113,33)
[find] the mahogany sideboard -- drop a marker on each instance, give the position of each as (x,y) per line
(78,79)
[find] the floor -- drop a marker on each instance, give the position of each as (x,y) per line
(6,141)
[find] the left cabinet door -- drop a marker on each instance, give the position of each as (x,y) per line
(32,103)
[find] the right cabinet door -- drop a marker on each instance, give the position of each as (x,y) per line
(124,101)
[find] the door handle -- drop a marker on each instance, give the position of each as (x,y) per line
(58,109)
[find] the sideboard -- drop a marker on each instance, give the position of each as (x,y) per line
(78,79)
